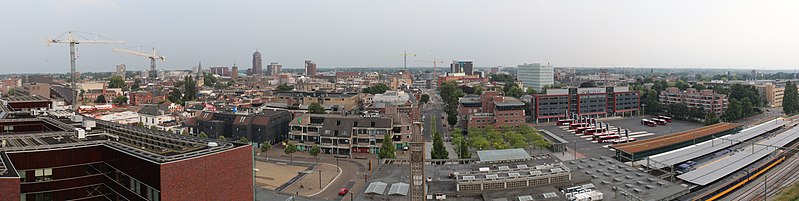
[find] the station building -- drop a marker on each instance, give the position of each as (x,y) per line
(591,102)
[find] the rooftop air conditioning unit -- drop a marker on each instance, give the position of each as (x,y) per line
(76,118)
(89,124)
(81,133)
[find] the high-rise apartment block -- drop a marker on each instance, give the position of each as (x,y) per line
(461,66)
(121,70)
(273,68)
(536,75)
(256,63)
(310,68)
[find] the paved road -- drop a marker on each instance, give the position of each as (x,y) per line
(353,170)
(433,109)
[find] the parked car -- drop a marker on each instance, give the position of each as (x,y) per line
(343,191)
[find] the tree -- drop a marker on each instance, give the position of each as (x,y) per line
(290,149)
(387,149)
(265,147)
(378,88)
(478,90)
(136,85)
(316,108)
(116,81)
(11,92)
(711,119)
(315,150)
(284,88)
(588,84)
(189,89)
(502,78)
(449,94)
(175,96)
(221,138)
(514,91)
(699,86)
(424,99)
(209,80)
(734,110)
(100,99)
(244,140)
(682,85)
(790,101)
(203,135)
(438,151)
(460,144)
(121,100)
(530,90)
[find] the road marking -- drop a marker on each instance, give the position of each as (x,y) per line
(328,184)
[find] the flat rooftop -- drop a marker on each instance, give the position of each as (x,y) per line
(18,99)
(503,155)
(728,165)
(704,148)
(669,140)
(154,146)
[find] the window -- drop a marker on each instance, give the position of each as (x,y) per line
(338,123)
(22,176)
(45,174)
(44,197)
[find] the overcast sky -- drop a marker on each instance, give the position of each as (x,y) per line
(349,33)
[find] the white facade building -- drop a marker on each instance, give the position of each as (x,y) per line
(535,75)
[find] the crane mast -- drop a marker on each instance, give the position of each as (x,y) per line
(73,38)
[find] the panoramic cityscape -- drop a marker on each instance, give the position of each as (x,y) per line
(362,100)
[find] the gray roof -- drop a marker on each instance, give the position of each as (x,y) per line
(711,146)
(607,173)
(376,188)
(723,167)
(154,110)
(503,155)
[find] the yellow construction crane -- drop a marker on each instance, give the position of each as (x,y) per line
(405,59)
(73,38)
(153,56)
(434,61)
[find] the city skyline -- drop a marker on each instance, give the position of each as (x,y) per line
(684,34)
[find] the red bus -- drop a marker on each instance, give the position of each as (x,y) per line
(648,122)
(595,130)
(598,135)
(607,138)
(668,119)
(659,121)
(577,125)
(565,122)
(581,129)
(623,140)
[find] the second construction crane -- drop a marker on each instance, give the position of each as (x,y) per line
(153,56)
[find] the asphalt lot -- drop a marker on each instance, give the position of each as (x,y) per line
(593,149)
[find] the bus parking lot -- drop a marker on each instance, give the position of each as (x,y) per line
(590,148)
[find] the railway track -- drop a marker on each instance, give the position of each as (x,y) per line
(785,177)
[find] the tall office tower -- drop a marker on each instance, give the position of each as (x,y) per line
(536,75)
(121,70)
(273,68)
(234,73)
(256,63)
(461,66)
(310,68)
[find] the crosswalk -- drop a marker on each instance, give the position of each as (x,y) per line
(636,134)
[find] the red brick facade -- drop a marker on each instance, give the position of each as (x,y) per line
(9,189)
(221,176)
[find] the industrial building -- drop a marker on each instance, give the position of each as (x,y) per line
(52,156)
(591,102)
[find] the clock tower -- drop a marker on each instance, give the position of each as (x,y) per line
(417,161)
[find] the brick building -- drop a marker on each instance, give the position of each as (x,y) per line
(344,135)
(706,99)
(490,109)
(46,158)
(593,102)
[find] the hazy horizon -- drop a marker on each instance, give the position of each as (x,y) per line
(682,34)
